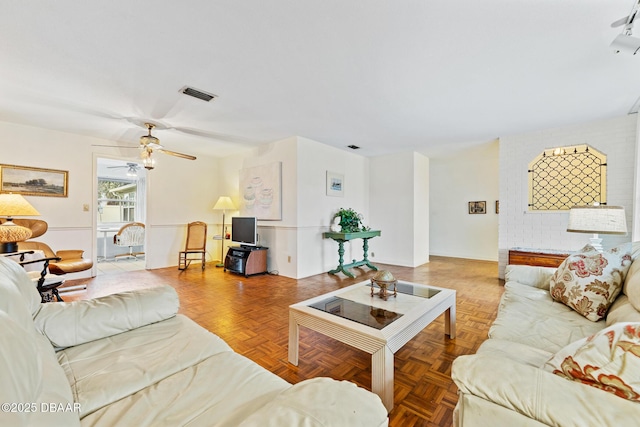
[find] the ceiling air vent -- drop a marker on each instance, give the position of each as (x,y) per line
(196,93)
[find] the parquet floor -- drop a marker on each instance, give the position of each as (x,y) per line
(251,314)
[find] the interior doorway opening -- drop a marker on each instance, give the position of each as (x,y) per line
(121,197)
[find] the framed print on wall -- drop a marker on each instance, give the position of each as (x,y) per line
(30,181)
(335,184)
(261,190)
(478,207)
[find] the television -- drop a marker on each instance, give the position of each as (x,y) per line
(244,230)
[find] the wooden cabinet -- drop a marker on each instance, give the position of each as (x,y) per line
(246,260)
(537,257)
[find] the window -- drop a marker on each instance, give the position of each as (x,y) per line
(116,200)
(568,176)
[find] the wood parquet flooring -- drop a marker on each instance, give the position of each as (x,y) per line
(251,315)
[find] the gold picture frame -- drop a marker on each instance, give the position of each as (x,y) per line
(30,181)
(478,207)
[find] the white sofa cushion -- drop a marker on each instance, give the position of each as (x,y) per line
(608,360)
(538,394)
(538,277)
(103,371)
(78,322)
(530,316)
(221,390)
(31,378)
(631,286)
(589,281)
(521,353)
(20,298)
(19,371)
(622,311)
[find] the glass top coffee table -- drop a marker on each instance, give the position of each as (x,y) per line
(369,323)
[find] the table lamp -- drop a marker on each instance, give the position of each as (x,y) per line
(224,203)
(11,233)
(597,220)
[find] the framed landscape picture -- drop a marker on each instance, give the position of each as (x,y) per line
(30,181)
(478,207)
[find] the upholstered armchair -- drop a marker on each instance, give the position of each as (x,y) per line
(71,260)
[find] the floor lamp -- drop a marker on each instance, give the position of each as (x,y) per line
(223,204)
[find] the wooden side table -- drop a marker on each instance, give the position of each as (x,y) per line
(345,237)
(537,257)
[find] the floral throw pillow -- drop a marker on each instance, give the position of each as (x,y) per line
(608,360)
(588,281)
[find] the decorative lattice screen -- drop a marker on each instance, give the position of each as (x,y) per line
(566,177)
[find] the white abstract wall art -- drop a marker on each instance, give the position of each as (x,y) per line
(261,191)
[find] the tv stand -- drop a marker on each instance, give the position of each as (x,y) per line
(246,260)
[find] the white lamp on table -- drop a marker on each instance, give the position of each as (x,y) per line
(597,220)
(11,233)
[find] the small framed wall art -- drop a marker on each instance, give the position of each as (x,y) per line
(335,184)
(478,207)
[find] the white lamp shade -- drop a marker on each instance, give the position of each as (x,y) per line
(597,220)
(224,203)
(14,204)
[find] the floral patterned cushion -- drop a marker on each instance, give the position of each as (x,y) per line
(608,360)
(588,281)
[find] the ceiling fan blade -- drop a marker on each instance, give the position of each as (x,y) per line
(173,153)
(115,146)
(214,135)
(620,22)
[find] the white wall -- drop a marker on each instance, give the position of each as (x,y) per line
(456,179)
(179,191)
(547,230)
(421,207)
(296,246)
(316,209)
(400,208)
(278,236)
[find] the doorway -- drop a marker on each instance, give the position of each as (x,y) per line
(121,197)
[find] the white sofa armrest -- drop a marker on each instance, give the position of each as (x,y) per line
(537,277)
(538,394)
(321,402)
(78,322)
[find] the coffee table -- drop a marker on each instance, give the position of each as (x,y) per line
(369,323)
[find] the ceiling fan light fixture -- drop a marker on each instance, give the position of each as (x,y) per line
(133,170)
(149,163)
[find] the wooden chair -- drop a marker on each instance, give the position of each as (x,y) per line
(130,235)
(196,245)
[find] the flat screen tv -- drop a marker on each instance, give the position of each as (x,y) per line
(244,230)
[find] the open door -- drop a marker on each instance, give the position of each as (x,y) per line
(121,200)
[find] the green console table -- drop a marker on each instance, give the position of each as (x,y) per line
(345,237)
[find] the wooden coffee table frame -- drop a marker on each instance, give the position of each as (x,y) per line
(383,343)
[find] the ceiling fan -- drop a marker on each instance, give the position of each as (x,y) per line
(132,168)
(148,143)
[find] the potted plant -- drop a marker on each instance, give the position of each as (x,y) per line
(349,221)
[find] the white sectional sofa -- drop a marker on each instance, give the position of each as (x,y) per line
(508,382)
(129,360)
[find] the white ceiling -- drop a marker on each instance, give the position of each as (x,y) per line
(384,75)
